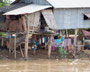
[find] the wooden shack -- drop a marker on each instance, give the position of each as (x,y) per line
(27,19)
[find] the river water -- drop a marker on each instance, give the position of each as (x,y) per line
(45,65)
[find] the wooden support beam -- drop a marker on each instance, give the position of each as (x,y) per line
(24,23)
(49,46)
(21,51)
(27,38)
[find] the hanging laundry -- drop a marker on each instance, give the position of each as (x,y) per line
(13,35)
(31,41)
(34,48)
(7,44)
(46,40)
(67,42)
(40,40)
(35,38)
(62,38)
(43,40)
(7,35)
(58,41)
(36,43)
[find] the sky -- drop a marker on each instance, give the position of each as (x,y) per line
(12,0)
(9,0)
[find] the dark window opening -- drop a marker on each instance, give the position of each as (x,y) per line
(86,17)
(43,23)
(12,17)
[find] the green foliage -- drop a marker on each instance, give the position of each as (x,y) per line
(2,34)
(62,52)
(4,3)
(0,4)
(81,56)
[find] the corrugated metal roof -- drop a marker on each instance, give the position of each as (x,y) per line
(70,3)
(11,7)
(27,9)
(49,18)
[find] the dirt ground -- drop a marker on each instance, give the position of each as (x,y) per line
(40,54)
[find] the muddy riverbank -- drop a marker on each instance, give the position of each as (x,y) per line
(45,65)
(40,63)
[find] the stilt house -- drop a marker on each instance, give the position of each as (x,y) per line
(57,14)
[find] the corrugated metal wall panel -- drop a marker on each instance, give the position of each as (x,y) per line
(71,18)
(59,17)
(87,24)
(67,18)
(80,18)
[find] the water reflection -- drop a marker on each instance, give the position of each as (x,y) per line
(45,66)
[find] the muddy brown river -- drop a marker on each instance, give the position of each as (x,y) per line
(45,65)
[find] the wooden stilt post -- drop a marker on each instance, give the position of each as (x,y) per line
(27,38)
(26,47)
(49,47)
(21,51)
(24,23)
(75,39)
(10,44)
(15,47)
(66,32)
(2,42)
